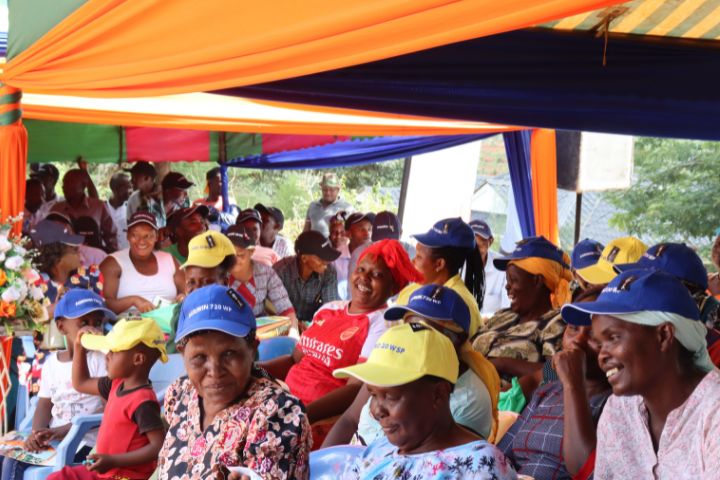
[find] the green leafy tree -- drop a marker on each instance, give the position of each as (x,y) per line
(674,196)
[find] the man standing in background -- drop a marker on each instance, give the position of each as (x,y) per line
(320,211)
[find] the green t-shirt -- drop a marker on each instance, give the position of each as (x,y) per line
(173,250)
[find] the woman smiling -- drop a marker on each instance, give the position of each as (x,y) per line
(343,333)
(226,412)
(662,420)
(410,375)
(518,340)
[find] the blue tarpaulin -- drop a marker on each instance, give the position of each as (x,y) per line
(348,153)
(652,86)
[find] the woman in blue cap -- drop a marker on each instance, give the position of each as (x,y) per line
(226,412)
(662,420)
(440,255)
(519,339)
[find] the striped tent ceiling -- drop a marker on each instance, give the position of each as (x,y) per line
(696,19)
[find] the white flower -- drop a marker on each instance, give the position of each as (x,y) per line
(2,256)
(14,263)
(11,294)
(5,244)
(19,250)
(22,288)
(36,293)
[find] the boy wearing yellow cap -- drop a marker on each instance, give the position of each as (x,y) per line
(132,432)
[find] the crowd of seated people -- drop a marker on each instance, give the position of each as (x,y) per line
(408,352)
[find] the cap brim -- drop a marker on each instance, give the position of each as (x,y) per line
(231,328)
(397,313)
(109,313)
(502,262)
(138,222)
(202,263)
(379,375)
(426,239)
(581,313)
(624,267)
(100,343)
(328,254)
(599,274)
(73,240)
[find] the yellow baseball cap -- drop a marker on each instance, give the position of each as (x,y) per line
(404,354)
(125,335)
(208,250)
(619,251)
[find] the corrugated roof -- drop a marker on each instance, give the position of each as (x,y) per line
(696,19)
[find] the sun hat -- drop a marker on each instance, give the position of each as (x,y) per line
(208,250)
(586,253)
(677,259)
(635,291)
(216,308)
(533,247)
(618,251)
(434,302)
(449,232)
(78,302)
(127,334)
(406,353)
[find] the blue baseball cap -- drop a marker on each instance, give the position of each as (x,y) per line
(586,253)
(677,259)
(47,232)
(80,301)
(434,302)
(480,227)
(539,247)
(450,232)
(636,291)
(218,308)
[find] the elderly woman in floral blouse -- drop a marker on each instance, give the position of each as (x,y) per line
(226,413)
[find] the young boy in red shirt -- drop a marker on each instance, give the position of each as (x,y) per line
(132,432)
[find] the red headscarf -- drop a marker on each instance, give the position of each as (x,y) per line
(397,260)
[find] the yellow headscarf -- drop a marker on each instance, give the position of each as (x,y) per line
(556,277)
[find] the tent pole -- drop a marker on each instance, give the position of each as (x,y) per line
(403,188)
(578,215)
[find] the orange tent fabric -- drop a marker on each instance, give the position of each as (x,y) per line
(544,184)
(130,48)
(204,111)
(13,155)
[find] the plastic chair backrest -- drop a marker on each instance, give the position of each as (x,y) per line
(26,423)
(28,345)
(275,347)
(163,374)
(329,463)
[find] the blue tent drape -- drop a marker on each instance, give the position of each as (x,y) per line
(517,147)
(348,153)
(653,86)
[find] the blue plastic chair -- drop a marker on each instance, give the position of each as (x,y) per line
(276,347)
(68,448)
(163,375)
(329,463)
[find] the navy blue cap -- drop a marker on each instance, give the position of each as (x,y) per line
(449,232)
(586,253)
(249,214)
(47,232)
(677,259)
(480,227)
(358,217)
(217,308)
(434,302)
(539,247)
(386,226)
(80,301)
(636,291)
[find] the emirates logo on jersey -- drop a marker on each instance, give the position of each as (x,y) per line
(349,333)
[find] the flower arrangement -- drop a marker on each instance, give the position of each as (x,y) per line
(21,294)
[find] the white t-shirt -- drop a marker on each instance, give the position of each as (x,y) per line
(56,384)
(495,294)
(119,216)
